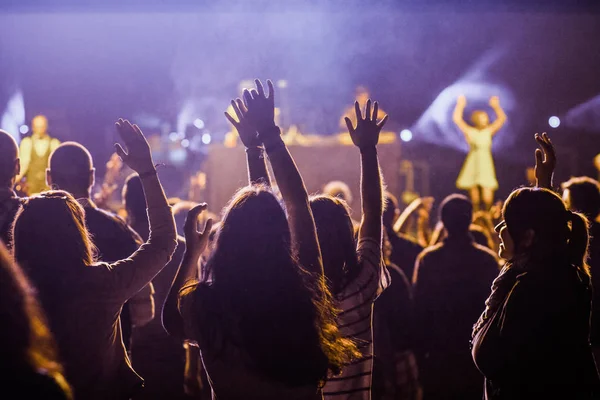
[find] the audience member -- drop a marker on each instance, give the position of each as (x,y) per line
(261,313)
(532,340)
(71,169)
(82,298)
(451,282)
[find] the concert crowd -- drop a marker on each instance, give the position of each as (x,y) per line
(284,295)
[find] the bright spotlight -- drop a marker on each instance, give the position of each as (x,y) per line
(198,123)
(406,135)
(173,136)
(185,143)
(554,121)
(23,129)
(206,138)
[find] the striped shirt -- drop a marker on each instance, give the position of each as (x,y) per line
(355,321)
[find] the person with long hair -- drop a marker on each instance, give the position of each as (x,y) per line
(261,313)
(29,364)
(82,298)
(355,271)
(532,340)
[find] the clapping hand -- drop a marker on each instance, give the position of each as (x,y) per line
(545,161)
(196,242)
(244,127)
(494,101)
(366,132)
(138,156)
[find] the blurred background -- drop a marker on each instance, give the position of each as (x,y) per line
(172,67)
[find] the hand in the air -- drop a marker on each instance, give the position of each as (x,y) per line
(366,132)
(494,102)
(138,156)
(196,242)
(545,161)
(461,101)
(261,108)
(245,129)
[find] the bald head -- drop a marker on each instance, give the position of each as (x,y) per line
(39,125)
(70,168)
(9,159)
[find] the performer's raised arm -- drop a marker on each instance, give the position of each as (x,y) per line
(457,116)
(500,115)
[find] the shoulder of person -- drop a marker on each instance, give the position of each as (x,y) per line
(430,251)
(486,252)
(117,222)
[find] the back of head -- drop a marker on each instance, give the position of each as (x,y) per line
(336,239)
(583,195)
(338,189)
(456,213)
(9,154)
(51,238)
(558,234)
(71,168)
(134,199)
(253,281)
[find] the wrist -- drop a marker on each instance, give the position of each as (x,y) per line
(372,149)
(150,172)
(255,150)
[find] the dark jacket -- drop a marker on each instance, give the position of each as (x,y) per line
(533,340)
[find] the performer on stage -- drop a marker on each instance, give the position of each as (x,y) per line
(35,152)
(478,174)
(362,95)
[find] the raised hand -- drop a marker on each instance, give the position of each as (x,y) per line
(246,130)
(494,102)
(261,108)
(461,101)
(545,161)
(138,156)
(196,242)
(366,132)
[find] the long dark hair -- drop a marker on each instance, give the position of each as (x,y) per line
(27,344)
(50,235)
(336,239)
(259,298)
(559,234)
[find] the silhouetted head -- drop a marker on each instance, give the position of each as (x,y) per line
(583,194)
(338,189)
(480,119)
(51,238)
(336,238)
(134,201)
(456,213)
(254,284)
(9,160)
(26,343)
(391,211)
(537,226)
(39,125)
(70,168)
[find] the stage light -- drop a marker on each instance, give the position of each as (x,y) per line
(185,143)
(173,136)
(554,121)
(198,123)
(206,138)
(23,129)
(406,135)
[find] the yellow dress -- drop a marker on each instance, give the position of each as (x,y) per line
(478,169)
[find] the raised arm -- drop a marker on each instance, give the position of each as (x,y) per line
(257,168)
(500,115)
(365,136)
(195,243)
(128,276)
(545,161)
(457,116)
(300,218)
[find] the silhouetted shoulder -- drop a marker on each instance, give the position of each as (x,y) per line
(430,251)
(488,252)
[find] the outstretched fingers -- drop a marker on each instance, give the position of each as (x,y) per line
(271,91)
(349,125)
(375,111)
(382,122)
(358,111)
(368,111)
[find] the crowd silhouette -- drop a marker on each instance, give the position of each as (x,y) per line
(284,295)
